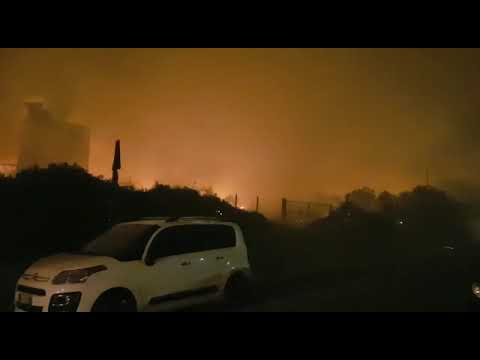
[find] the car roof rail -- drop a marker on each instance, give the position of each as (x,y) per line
(193,218)
(165,218)
(181,218)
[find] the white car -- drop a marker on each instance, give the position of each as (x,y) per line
(148,265)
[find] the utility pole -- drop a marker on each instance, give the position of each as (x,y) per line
(117,163)
(427,173)
(236,200)
(258,204)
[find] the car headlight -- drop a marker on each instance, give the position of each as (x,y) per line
(76,276)
(476,289)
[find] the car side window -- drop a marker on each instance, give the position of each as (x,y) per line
(218,237)
(176,240)
(186,239)
(164,244)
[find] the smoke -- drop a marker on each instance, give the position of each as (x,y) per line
(276,123)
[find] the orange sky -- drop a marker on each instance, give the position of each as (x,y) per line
(299,123)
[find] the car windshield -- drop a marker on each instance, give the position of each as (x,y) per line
(124,242)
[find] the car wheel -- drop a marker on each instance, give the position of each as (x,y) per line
(115,301)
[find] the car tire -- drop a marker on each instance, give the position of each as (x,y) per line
(115,301)
(239,289)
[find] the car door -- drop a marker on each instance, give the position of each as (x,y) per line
(220,240)
(200,258)
(208,276)
(171,270)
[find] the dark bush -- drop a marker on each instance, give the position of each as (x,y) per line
(63,207)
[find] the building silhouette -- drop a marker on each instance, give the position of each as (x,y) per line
(46,140)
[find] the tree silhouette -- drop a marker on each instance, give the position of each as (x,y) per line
(363,198)
(387,202)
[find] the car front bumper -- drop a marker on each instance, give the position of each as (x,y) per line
(39,297)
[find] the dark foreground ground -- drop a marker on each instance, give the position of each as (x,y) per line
(354,290)
(336,294)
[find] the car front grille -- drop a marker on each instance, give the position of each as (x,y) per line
(30,290)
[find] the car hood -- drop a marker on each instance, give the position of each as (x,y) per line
(47,268)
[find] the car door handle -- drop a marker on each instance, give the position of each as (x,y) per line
(186,263)
(220,258)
